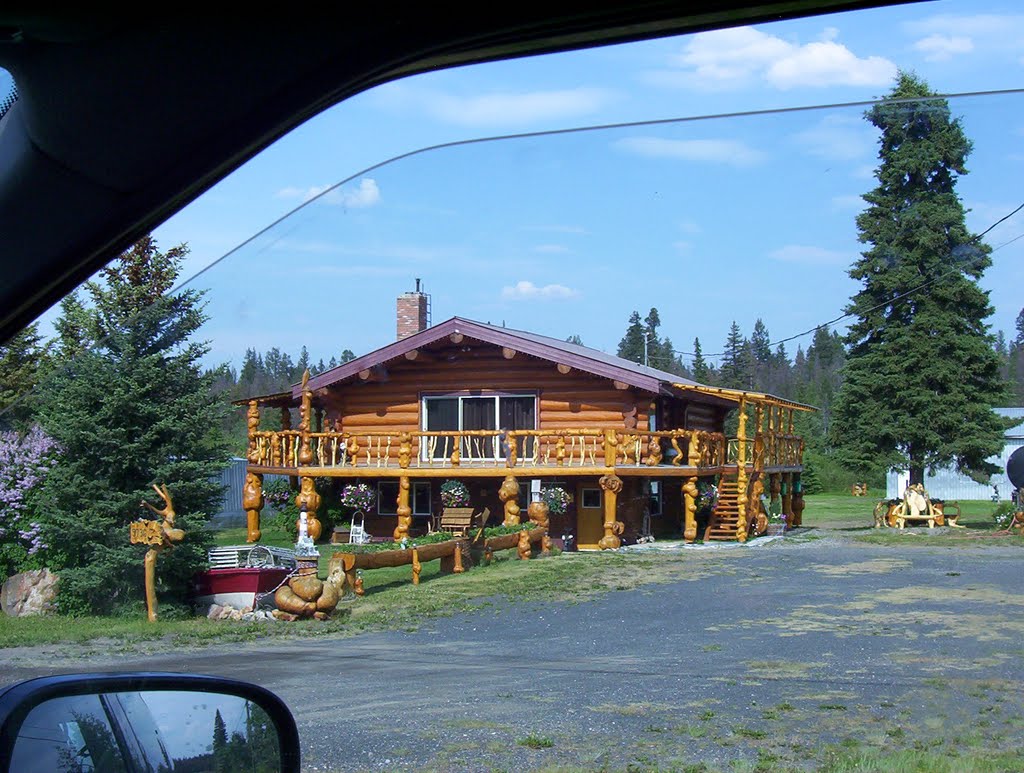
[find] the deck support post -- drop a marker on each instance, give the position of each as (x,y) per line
(774,490)
(787,498)
(508,493)
(741,473)
(404,510)
(613,528)
(798,501)
(690,494)
(252,503)
(307,499)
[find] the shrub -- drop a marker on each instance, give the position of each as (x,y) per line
(25,461)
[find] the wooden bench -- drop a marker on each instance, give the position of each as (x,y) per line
(459,520)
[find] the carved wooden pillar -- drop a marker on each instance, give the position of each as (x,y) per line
(690,494)
(417,567)
(693,450)
(523,546)
(404,511)
(612,485)
(305,422)
(286,418)
(787,497)
(775,489)
(308,500)
(252,503)
(798,500)
(741,472)
(509,495)
(253,423)
(611,444)
(404,450)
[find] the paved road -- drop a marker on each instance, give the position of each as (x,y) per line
(775,653)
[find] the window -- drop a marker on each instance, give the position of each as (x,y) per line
(421,498)
(475,412)
(591,498)
(387,497)
(655,497)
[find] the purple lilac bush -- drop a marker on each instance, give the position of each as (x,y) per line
(25,460)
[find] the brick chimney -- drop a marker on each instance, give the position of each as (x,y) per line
(412,312)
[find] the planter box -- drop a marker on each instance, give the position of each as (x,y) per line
(776,529)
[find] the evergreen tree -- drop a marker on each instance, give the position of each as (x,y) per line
(701,371)
(575,339)
(760,343)
(631,347)
(347,356)
(922,375)
(301,365)
(21,362)
(252,364)
(737,362)
(132,410)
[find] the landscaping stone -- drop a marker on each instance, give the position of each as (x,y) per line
(29,593)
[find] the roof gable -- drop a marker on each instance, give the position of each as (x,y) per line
(561,352)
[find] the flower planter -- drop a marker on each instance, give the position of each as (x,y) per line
(776,529)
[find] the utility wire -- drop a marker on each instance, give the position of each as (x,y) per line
(954,270)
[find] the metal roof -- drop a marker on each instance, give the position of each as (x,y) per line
(1016,431)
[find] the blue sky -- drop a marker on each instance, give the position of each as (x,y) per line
(708,220)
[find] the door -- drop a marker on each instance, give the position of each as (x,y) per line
(589,516)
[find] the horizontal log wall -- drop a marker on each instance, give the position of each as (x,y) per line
(574,399)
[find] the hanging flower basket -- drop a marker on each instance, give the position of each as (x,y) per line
(556,498)
(454,494)
(358,497)
(707,496)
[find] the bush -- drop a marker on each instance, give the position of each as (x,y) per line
(1003,515)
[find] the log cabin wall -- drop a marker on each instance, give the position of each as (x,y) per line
(391,401)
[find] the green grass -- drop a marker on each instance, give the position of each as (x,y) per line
(536,742)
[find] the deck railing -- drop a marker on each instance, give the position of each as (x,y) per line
(589,447)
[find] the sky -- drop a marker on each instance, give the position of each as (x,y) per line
(709,219)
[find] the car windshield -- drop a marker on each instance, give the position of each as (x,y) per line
(646,407)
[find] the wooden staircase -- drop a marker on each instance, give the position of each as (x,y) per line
(723,525)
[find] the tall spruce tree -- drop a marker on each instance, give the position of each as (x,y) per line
(701,371)
(737,361)
(922,375)
(130,410)
(631,347)
(21,363)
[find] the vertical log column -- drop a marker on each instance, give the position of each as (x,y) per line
(774,490)
(690,490)
(798,500)
(613,528)
(509,495)
(741,473)
(252,493)
(307,498)
(404,510)
(787,498)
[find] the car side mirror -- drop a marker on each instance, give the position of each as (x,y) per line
(145,722)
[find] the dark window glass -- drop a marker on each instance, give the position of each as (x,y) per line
(442,414)
(420,498)
(72,733)
(387,497)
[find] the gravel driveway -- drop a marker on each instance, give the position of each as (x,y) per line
(774,654)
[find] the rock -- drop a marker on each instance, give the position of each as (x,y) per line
(214,612)
(29,593)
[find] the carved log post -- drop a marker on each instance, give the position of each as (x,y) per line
(611,444)
(305,421)
(545,545)
(308,500)
(457,569)
(405,450)
(560,450)
(253,424)
(693,450)
(252,503)
(741,472)
(775,489)
(404,510)
(523,547)
(150,566)
(417,567)
(798,500)
(690,494)
(787,498)
(612,485)
(509,495)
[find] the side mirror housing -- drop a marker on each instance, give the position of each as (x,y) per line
(145,721)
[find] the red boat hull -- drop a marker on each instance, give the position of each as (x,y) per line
(235,587)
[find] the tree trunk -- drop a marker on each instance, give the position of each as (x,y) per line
(916,473)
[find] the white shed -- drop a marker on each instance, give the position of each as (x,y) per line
(949,484)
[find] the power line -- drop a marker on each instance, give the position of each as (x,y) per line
(955,269)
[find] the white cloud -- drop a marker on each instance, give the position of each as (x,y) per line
(717,151)
(498,108)
(744,56)
(941,48)
(838,137)
(947,35)
(808,255)
(689,227)
(682,246)
(528,291)
(366,194)
(551,249)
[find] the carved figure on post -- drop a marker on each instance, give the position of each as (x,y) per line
(160,535)
(613,528)
(401,531)
(252,421)
(308,500)
(690,495)
(252,503)
(523,547)
(509,495)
